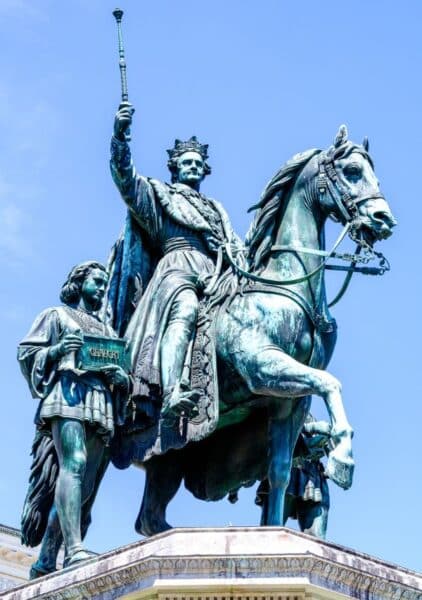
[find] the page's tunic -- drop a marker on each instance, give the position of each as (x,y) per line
(64,390)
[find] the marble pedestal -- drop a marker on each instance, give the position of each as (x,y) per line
(15,559)
(236,563)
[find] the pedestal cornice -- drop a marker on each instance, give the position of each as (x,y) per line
(231,563)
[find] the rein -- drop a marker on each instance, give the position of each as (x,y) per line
(270,281)
(348,208)
(353,268)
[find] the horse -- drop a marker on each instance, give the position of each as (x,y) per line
(275,336)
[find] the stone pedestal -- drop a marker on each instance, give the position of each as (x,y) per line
(15,559)
(239,563)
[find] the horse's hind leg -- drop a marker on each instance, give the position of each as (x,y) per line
(163,476)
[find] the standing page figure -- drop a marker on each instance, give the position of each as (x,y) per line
(75,420)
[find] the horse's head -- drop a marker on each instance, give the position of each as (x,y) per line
(339,183)
(349,190)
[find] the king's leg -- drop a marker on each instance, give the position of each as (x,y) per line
(174,345)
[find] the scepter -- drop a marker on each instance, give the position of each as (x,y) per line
(118,14)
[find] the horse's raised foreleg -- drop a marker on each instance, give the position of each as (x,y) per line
(271,372)
(163,476)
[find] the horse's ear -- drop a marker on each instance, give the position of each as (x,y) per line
(341,136)
(365,144)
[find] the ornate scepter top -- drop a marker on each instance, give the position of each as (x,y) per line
(118,14)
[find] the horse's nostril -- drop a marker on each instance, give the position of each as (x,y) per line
(385,217)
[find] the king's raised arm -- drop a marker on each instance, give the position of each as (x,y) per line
(187,232)
(135,189)
(122,169)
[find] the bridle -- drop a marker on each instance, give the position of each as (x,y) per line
(328,182)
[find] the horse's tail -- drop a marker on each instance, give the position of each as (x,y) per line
(40,496)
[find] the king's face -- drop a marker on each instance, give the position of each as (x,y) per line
(190,168)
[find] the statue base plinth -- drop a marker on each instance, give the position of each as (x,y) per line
(235,563)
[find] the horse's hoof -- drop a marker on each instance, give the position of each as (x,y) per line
(149,527)
(340,471)
(37,571)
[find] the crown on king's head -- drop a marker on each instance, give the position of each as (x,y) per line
(191,145)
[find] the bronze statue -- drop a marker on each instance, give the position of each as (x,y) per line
(267,325)
(190,298)
(183,232)
(179,231)
(228,341)
(76,416)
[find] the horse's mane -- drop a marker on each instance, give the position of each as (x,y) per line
(260,236)
(272,204)
(270,209)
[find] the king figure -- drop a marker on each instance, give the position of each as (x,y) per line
(182,234)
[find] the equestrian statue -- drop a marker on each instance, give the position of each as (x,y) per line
(242,332)
(229,340)
(194,355)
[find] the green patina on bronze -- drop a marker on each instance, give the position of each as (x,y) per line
(98,351)
(228,340)
(80,404)
(258,310)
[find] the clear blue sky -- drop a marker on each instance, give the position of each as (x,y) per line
(258,81)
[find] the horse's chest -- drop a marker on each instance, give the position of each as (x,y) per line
(257,321)
(288,327)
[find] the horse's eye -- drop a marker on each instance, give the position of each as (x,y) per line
(353,172)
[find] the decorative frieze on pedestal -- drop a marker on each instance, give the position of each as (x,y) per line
(228,564)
